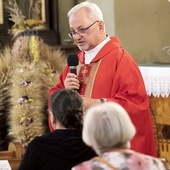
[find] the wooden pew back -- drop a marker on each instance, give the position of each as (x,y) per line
(13,155)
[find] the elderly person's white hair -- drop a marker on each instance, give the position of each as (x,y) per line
(107,126)
(92,9)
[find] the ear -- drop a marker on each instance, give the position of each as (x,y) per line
(52,120)
(101,26)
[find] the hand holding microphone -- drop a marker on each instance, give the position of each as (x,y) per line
(71,81)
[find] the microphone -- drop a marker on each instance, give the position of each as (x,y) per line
(72,61)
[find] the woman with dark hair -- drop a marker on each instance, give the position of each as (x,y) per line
(63,148)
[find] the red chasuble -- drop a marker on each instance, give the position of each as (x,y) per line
(114,75)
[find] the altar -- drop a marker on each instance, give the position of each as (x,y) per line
(157,82)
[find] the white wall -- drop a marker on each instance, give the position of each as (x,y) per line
(143,26)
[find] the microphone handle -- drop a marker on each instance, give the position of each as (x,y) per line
(73,70)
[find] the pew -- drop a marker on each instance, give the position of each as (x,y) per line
(14,154)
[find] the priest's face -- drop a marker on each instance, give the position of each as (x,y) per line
(86,31)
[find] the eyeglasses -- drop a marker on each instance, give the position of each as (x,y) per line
(80,31)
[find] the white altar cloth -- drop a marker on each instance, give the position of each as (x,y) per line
(156,79)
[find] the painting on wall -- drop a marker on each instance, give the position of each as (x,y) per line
(1,12)
(43,11)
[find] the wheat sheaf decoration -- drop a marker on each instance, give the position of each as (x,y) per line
(30,85)
(36,68)
(6,70)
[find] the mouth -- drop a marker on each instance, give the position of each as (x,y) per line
(80,43)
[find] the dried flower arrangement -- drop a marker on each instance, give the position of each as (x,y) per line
(35,68)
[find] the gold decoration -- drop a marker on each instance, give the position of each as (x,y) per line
(28,24)
(34,48)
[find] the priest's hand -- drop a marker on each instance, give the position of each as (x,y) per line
(71,82)
(88,102)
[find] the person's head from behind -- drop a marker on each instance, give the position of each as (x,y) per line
(66,109)
(86,25)
(106,127)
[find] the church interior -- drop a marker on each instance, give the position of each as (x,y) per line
(31,61)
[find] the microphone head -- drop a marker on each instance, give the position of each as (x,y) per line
(72,60)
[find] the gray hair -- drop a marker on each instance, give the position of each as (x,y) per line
(107,126)
(92,9)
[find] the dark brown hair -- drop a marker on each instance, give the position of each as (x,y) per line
(67,108)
